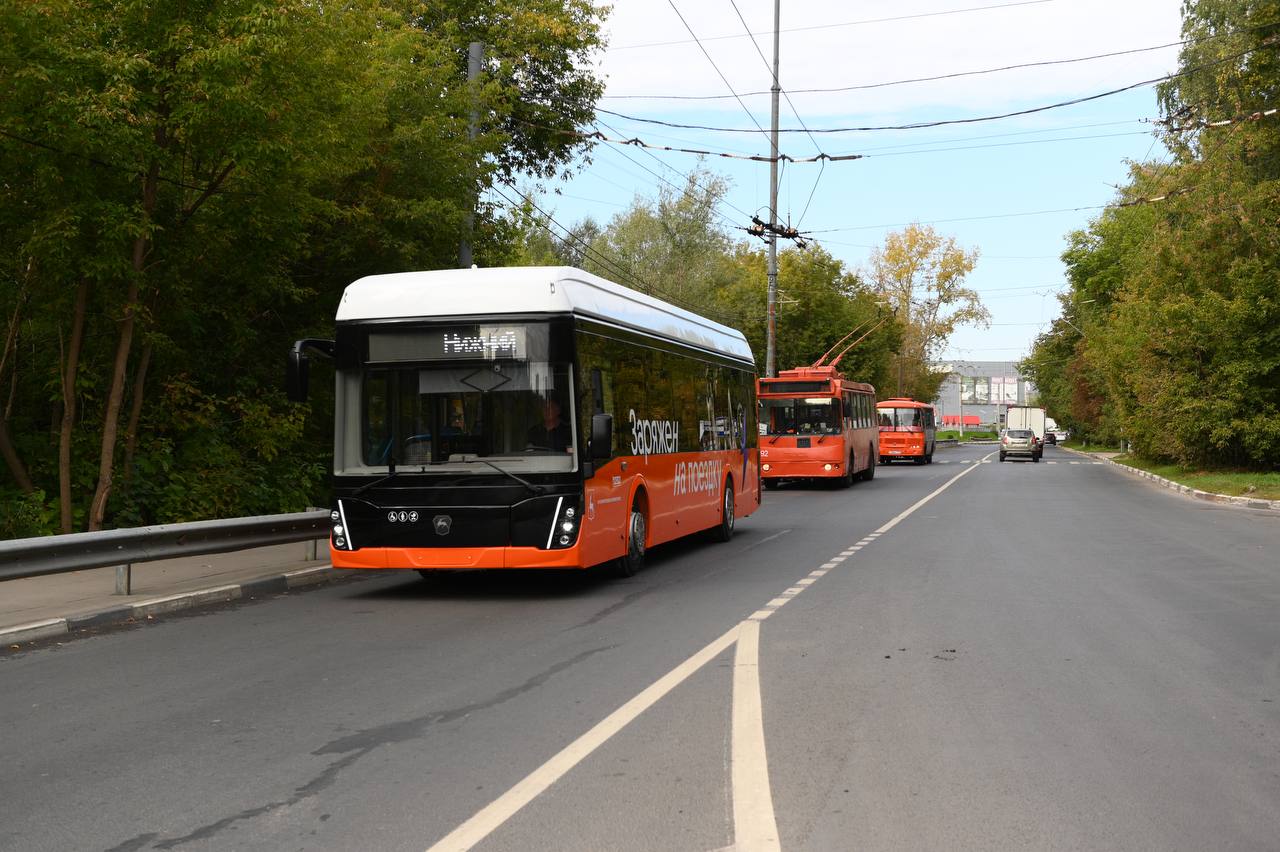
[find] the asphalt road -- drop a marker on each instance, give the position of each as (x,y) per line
(1040,656)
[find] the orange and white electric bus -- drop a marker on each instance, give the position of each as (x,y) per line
(907,430)
(815,424)
(536,417)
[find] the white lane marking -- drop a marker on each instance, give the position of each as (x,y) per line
(501,809)
(771,538)
(777,602)
(848,552)
(899,518)
(1053,462)
(760,827)
(754,826)
(829,564)
(818,573)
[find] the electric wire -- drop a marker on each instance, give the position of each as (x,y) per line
(911,80)
(727,84)
(947,122)
(616,266)
(843,24)
(794,112)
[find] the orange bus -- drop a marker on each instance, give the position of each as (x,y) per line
(537,417)
(908,430)
(815,424)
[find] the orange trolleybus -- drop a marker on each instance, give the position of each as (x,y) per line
(907,430)
(815,424)
(537,417)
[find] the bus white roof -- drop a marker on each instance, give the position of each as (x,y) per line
(532,290)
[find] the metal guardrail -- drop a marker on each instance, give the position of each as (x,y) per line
(57,554)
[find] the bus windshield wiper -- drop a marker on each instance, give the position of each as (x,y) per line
(535,489)
(391,472)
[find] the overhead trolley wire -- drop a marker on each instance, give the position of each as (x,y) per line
(617,266)
(843,24)
(909,80)
(946,122)
(707,54)
(794,111)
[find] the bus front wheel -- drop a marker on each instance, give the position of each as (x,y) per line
(631,561)
(870,473)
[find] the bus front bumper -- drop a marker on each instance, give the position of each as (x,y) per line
(454,558)
(801,469)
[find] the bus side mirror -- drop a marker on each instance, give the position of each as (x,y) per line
(297,375)
(601,437)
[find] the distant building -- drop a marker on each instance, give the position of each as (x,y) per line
(980,391)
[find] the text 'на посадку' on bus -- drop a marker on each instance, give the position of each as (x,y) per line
(816,424)
(535,417)
(907,430)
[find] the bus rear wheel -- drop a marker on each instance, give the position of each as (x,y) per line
(723,531)
(633,560)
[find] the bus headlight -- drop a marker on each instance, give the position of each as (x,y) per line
(564,526)
(334,516)
(764,467)
(338,531)
(826,467)
(340,543)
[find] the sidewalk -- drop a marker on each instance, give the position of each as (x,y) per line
(53,605)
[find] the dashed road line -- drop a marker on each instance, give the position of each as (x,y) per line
(755,827)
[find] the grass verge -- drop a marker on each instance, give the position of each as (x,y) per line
(1236,483)
(953,435)
(1090,448)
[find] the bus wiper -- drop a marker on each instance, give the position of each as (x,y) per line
(391,472)
(536,489)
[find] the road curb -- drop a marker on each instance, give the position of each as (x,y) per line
(1207,496)
(274,584)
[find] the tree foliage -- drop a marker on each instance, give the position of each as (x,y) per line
(1173,339)
(187,187)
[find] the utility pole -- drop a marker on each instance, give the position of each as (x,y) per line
(475,58)
(771,347)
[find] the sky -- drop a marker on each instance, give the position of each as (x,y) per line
(1012,189)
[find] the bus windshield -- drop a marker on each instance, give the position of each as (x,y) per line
(809,416)
(445,417)
(900,417)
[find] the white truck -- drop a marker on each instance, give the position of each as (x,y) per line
(1027,417)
